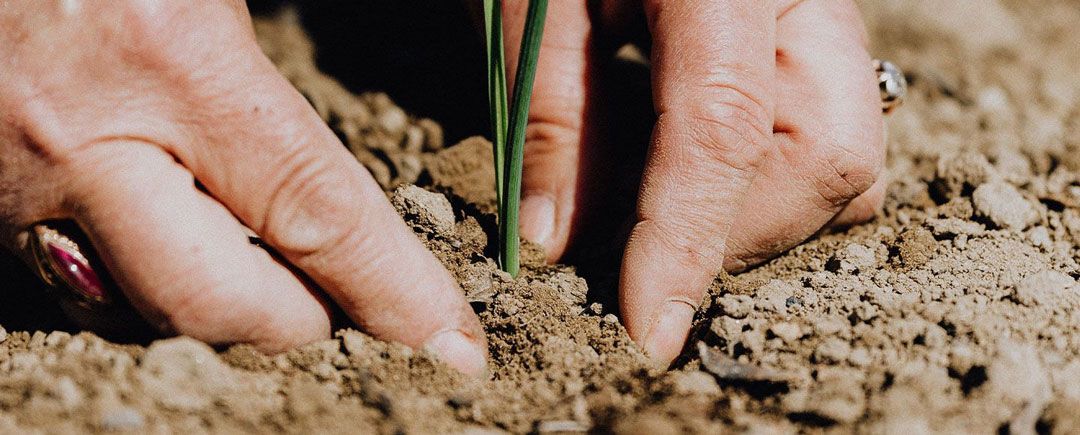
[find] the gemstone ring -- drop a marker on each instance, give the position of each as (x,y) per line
(62,265)
(63,262)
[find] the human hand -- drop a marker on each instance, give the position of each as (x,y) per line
(768,128)
(162,130)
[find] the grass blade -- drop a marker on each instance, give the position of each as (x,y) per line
(519,117)
(496,89)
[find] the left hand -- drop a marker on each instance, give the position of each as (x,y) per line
(768,129)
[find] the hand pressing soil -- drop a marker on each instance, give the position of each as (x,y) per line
(954,311)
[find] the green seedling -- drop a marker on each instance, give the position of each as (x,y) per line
(508,123)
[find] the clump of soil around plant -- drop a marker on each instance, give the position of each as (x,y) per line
(956,310)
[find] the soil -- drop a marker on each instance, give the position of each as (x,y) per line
(956,310)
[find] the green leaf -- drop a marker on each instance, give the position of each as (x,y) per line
(519,119)
(508,126)
(496,88)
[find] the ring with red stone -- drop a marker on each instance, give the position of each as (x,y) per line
(63,266)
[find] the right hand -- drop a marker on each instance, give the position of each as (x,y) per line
(768,128)
(110,112)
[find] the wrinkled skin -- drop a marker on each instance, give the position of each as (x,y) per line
(112,111)
(768,128)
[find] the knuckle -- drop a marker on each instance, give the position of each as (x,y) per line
(319,216)
(142,35)
(729,127)
(311,210)
(546,140)
(159,35)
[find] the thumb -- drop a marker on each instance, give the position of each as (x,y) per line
(553,141)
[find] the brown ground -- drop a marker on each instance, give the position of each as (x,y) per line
(957,310)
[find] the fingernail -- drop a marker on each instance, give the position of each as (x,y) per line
(458,351)
(538,218)
(669,333)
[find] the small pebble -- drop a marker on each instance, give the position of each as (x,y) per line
(1017,376)
(956,172)
(854,258)
(832,351)
(787,331)
(408,167)
(828,326)
(354,342)
(773,296)
(24,361)
(1004,205)
(433,134)
(37,341)
(431,209)
(695,383)
(993,100)
(68,393)
(860,357)
(961,357)
(838,398)
(76,345)
(414,139)
(561,426)
(1040,237)
(1042,287)
(916,246)
(324,371)
(122,418)
(736,306)
(341,361)
(56,338)
(393,120)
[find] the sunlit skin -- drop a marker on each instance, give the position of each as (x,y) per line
(768,128)
(109,112)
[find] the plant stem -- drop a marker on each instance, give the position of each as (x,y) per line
(496,88)
(519,117)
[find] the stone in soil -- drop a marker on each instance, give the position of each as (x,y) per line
(1004,205)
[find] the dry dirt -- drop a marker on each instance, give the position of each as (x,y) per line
(956,310)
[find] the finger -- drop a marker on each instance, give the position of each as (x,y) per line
(829,128)
(554,136)
(181,258)
(712,62)
(273,162)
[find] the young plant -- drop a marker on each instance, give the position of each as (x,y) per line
(508,124)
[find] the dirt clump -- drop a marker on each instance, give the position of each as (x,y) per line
(955,310)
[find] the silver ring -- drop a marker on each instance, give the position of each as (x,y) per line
(892,84)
